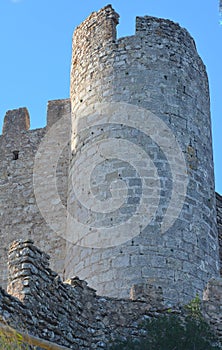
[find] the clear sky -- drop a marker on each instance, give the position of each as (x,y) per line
(35,38)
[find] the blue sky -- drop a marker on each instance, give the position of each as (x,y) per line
(35,38)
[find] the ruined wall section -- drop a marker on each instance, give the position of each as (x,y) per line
(158,69)
(19,213)
(72,315)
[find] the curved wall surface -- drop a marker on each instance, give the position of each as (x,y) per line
(141,127)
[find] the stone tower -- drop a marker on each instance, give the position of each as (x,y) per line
(141,138)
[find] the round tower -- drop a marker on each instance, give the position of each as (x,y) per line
(141,196)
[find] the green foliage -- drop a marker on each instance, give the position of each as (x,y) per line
(172,333)
(193,308)
(12,342)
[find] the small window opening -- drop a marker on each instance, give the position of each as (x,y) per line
(15,155)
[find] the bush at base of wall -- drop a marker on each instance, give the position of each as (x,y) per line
(172,333)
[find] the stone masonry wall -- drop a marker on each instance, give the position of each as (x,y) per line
(19,213)
(212,304)
(219,225)
(70,313)
(157,69)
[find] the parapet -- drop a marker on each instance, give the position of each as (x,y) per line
(99,27)
(16,120)
(148,25)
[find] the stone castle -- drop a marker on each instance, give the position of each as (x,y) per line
(118,189)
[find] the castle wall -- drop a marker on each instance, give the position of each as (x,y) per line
(211,305)
(19,213)
(159,70)
(219,226)
(69,314)
(72,315)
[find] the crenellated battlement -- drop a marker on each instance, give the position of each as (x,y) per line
(18,120)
